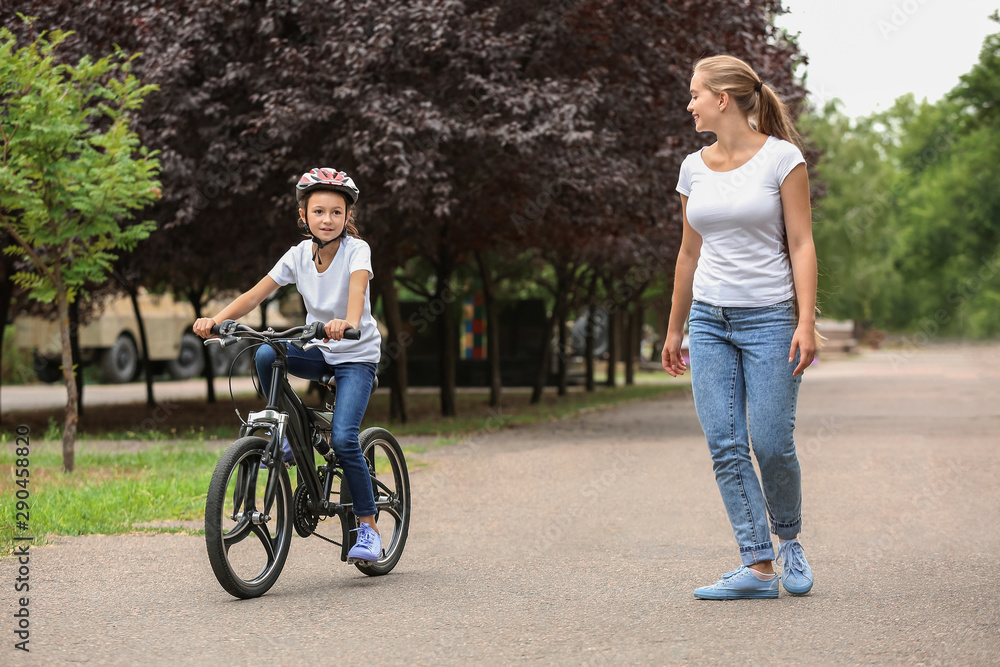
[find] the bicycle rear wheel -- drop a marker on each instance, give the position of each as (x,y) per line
(247,539)
(391,484)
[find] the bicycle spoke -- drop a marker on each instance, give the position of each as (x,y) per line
(239,490)
(393,512)
(260,530)
(237,534)
(378,484)
(253,469)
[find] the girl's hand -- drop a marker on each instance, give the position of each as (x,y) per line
(203,326)
(335,329)
(673,362)
(804,341)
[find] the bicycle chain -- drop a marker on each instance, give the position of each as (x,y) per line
(303,518)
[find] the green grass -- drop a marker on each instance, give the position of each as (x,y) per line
(108,492)
(111,492)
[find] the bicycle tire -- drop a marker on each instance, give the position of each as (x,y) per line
(245,574)
(372,441)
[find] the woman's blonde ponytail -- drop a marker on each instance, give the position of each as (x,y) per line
(762,106)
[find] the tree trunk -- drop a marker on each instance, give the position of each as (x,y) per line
(74,346)
(545,359)
(614,319)
(6,295)
(447,335)
(558,312)
(589,331)
(69,428)
(396,346)
(629,352)
(492,329)
(209,373)
(133,294)
(563,368)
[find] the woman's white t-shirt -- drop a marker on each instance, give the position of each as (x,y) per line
(325,295)
(744,261)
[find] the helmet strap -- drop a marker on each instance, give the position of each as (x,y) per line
(319,245)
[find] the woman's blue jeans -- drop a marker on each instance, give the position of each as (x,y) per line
(745,395)
(354,386)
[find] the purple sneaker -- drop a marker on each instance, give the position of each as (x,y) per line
(368,547)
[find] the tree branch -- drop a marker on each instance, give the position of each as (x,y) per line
(35,259)
(415,287)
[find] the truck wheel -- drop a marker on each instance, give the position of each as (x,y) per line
(222,359)
(121,361)
(189,362)
(47,370)
(242,361)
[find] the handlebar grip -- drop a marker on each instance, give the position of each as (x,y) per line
(224,327)
(316,330)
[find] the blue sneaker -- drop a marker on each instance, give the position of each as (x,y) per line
(368,547)
(796,575)
(740,584)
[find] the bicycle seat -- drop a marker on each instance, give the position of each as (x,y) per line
(328,380)
(324,418)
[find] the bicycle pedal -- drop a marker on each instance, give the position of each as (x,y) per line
(359,561)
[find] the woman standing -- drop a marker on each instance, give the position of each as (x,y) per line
(746,274)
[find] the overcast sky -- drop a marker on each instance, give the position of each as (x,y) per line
(869,52)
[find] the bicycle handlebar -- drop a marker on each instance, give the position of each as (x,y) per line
(232,330)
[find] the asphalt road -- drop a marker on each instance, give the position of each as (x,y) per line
(580,542)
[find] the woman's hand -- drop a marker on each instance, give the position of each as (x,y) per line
(804,341)
(673,362)
(203,326)
(335,329)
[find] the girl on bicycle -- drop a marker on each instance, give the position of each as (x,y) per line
(331,270)
(746,274)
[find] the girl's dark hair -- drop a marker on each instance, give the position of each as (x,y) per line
(767,113)
(350,229)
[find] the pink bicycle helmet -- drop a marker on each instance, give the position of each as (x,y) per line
(326,178)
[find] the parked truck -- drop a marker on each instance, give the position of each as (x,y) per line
(112,340)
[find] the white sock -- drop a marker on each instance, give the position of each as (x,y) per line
(762,576)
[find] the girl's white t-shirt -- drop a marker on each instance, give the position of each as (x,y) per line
(325,295)
(744,261)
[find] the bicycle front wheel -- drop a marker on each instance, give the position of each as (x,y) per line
(391,484)
(246,531)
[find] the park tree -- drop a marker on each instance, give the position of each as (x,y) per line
(433,109)
(227,212)
(907,233)
(638,56)
(948,249)
(850,222)
(72,173)
(481,133)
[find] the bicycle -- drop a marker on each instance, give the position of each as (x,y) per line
(251,510)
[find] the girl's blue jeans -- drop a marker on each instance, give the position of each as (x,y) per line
(745,396)
(354,386)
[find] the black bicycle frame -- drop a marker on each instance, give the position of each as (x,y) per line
(283,399)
